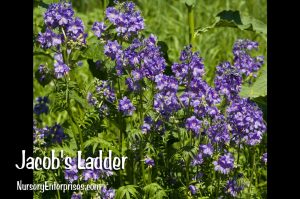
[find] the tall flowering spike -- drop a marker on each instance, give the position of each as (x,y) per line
(191,66)
(193,124)
(224,164)
(246,120)
(233,188)
(106,193)
(60,68)
(126,20)
(41,106)
(126,106)
(243,61)
(98,28)
(228,80)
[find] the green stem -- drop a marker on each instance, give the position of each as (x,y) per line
(252,170)
(191,21)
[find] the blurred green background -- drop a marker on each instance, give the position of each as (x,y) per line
(168,20)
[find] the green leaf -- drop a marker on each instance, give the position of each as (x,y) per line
(129,191)
(154,191)
(233,19)
(94,51)
(257,88)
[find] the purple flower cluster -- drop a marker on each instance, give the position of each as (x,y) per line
(106,193)
(105,91)
(61,16)
(246,120)
(243,61)
(126,106)
(44,72)
(224,164)
(96,174)
(193,124)
(112,49)
(76,196)
(191,66)
(49,39)
(60,68)
(98,28)
(228,80)
(126,19)
(218,131)
(41,106)
(72,174)
(197,160)
(146,127)
(233,188)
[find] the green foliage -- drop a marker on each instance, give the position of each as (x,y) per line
(258,88)
(233,19)
(154,191)
(128,191)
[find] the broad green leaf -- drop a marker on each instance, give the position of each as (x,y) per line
(94,51)
(257,88)
(233,19)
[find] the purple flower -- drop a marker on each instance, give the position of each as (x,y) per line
(193,189)
(104,90)
(233,188)
(72,174)
(76,196)
(207,149)
(264,158)
(111,49)
(126,20)
(198,160)
(191,66)
(49,39)
(166,83)
(149,162)
(218,131)
(228,80)
(193,124)
(166,103)
(243,61)
(41,106)
(91,99)
(147,125)
(246,120)
(107,193)
(126,106)
(58,14)
(60,68)
(75,31)
(224,164)
(98,28)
